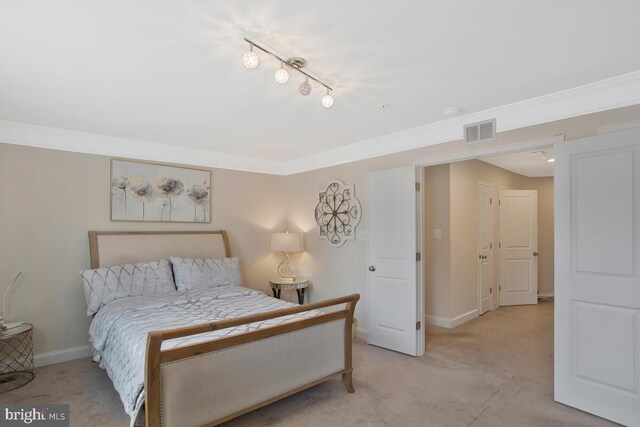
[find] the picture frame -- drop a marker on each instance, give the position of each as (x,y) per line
(143,191)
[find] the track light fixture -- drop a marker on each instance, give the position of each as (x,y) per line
(251,61)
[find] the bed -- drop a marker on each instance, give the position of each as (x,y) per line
(205,356)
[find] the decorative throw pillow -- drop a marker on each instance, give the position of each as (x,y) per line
(107,284)
(192,273)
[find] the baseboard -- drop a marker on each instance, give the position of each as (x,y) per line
(450,323)
(463,318)
(64,355)
(440,321)
(545,295)
(361,333)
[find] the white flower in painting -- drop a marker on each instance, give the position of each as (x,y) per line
(199,196)
(168,188)
(142,192)
(121,183)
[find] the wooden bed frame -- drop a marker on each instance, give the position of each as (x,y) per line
(214,381)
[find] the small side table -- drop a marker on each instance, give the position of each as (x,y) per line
(298,285)
(16,357)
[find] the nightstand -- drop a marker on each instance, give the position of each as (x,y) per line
(16,357)
(298,285)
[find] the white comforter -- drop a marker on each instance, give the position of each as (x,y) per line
(119,330)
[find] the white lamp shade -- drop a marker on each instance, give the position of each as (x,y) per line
(286,242)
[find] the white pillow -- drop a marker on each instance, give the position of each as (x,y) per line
(106,284)
(192,273)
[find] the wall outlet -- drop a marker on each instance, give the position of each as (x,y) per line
(437,233)
(361,235)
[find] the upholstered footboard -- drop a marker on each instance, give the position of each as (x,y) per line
(214,381)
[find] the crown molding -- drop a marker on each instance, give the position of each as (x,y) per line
(612,93)
(617,92)
(91,143)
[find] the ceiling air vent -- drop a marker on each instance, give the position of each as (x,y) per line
(481,131)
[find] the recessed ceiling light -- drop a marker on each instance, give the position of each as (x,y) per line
(551,160)
(451,111)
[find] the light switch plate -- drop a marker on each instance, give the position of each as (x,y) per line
(437,233)
(361,235)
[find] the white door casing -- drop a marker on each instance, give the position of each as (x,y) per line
(518,247)
(485,246)
(393,306)
(597,276)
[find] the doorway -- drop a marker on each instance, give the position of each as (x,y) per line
(481,237)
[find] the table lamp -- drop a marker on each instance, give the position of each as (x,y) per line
(286,244)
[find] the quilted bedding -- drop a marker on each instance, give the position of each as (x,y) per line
(119,330)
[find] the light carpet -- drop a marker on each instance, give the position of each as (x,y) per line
(496,370)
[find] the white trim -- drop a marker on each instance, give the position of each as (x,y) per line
(546,295)
(63,355)
(616,92)
(451,323)
(361,334)
(440,321)
(464,318)
(91,143)
(619,127)
(494,150)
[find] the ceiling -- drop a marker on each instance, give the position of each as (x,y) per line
(171,72)
(533,164)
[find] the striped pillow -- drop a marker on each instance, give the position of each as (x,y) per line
(106,284)
(192,273)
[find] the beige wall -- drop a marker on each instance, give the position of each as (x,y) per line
(437,253)
(50,199)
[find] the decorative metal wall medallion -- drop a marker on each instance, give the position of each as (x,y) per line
(338,213)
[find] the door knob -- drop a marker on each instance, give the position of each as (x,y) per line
(372,268)
(535,254)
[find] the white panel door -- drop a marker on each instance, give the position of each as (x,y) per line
(485,246)
(597,278)
(392,297)
(518,247)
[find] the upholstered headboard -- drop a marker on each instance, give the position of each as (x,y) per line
(110,248)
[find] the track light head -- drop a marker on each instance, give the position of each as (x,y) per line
(250,59)
(327,100)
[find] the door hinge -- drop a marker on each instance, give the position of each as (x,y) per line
(418,325)
(490,200)
(499,244)
(500,287)
(418,256)
(490,290)
(417,186)
(490,245)
(499,202)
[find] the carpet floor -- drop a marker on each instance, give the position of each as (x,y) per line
(496,370)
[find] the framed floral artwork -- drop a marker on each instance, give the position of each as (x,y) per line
(158,193)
